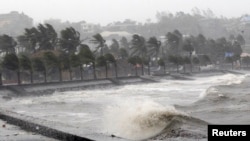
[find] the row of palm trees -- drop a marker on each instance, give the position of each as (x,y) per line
(43,51)
(56,60)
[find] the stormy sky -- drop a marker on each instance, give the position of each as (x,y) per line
(106,11)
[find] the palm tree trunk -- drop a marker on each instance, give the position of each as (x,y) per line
(232,65)
(148,69)
(1,81)
(164,69)
(106,70)
(94,70)
(136,72)
(142,69)
(70,74)
(31,77)
(81,69)
(240,64)
(45,76)
(116,74)
(191,61)
(177,67)
(60,74)
(18,77)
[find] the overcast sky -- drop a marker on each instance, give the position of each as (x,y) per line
(106,11)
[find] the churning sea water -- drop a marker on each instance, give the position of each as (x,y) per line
(176,109)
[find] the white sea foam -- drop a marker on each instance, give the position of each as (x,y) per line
(137,119)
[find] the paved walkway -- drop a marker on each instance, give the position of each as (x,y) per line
(10,132)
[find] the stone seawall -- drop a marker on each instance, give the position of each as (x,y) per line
(49,88)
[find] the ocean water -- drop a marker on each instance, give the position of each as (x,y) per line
(168,110)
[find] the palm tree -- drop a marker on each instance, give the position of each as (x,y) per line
(230,60)
(174,41)
(11,62)
(1,81)
(139,48)
(25,64)
(29,40)
(65,63)
(153,46)
(102,62)
(51,61)
(161,62)
(123,53)
(114,47)
(76,62)
(196,61)
(186,60)
(47,37)
(188,47)
(178,60)
(70,40)
(98,39)
(133,60)
(86,57)
(39,66)
(7,44)
(153,49)
(111,59)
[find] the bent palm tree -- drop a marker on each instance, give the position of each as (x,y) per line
(98,39)
(102,62)
(86,57)
(11,62)
(111,59)
(39,66)
(139,48)
(25,64)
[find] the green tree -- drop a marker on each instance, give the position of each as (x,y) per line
(162,63)
(87,57)
(111,59)
(174,41)
(70,40)
(188,47)
(26,65)
(11,62)
(47,37)
(134,60)
(114,47)
(123,53)
(75,62)
(52,61)
(39,66)
(98,39)
(241,40)
(7,44)
(186,60)
(153,46)
(230,60)
(102,62)
(177,60)
(1,69)
(124,43)
(196,61)
(139,48)
(200,44)
(29,40)
(65,63)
